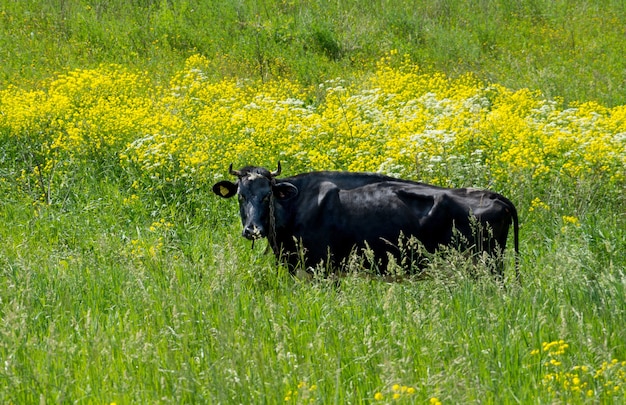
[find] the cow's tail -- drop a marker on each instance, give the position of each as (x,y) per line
(515,220)
(516,244)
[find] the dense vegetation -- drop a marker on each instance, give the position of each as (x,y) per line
(124,280)
(567,49)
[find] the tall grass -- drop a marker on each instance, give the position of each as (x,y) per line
(207,319)
(126,281)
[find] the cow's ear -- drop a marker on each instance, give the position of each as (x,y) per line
(225,189)
(284,191)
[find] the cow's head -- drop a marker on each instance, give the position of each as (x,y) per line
(257,189)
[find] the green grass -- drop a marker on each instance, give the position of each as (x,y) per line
(88,317)
(161,301)
(571,50)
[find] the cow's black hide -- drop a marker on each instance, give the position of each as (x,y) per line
(325,216)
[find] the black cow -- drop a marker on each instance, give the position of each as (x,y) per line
(323,216)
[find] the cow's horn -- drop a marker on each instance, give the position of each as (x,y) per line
(233,172)
(277,172)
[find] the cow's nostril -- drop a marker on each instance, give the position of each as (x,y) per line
(251,232)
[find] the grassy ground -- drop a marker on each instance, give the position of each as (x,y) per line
(124,280)
(103,305)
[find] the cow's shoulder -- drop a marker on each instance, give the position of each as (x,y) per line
(327,193)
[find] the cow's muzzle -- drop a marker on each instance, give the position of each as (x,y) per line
(252,232)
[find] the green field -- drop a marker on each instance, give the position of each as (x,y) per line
(123,279)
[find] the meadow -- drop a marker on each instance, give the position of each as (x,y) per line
(123,279)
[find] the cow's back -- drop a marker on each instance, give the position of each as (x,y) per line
(343,180)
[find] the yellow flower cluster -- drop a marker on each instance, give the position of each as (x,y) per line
(161,225)
(146,249)
(83,111)
(607,380)
(398,392)
(554,348)
(77,118)
(151,246)
(304,393)
(569,223)
(397,121)
(537,204)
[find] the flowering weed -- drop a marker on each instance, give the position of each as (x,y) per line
(565,379)
(397,121)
